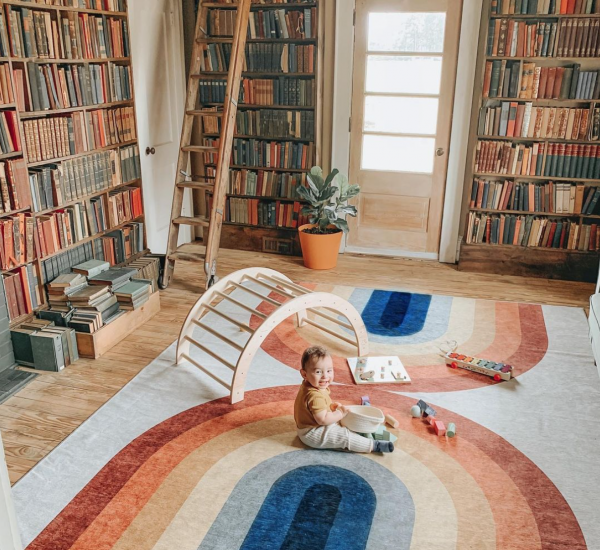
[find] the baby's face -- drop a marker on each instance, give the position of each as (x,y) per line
(319,375)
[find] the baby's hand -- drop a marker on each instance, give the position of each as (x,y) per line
(339,407)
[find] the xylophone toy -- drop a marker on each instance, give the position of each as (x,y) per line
(498,371)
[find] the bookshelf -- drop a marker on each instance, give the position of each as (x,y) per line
(532,185)
(66,82)
(278,122)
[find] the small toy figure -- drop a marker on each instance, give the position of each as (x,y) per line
(367,375)
(317,417)
(364,400)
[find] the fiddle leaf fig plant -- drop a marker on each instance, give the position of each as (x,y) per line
(328,201)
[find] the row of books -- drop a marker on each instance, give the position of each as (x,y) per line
(267,154)
(263,183)
(530,231)
(572,161)
(17,241)
(512,119)
(54,86)
(554,198)
(14,188)
(104,5)
(266,122)
(6,90)
(22,291)
(501,78)
(502,157)
(262,91)
(124,205)
(521,38)
(54,185)
(272,58)
(63,262)
(10,141)
(72,36)
(294,24)
(75,133)
(533,7)
(63,228)
(258,212)
(130,163)
(121,244)
(559,82)
(4,50)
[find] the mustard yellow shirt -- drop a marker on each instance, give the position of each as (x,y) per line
(310,401)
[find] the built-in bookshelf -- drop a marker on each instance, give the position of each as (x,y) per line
(277,137)
(70,177)
(532,189)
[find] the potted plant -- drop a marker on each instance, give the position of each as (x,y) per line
(328,206)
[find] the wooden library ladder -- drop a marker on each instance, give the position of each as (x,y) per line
(217,185)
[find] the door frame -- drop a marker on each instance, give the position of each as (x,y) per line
(457,154)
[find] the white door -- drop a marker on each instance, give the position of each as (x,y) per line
(159,78)
(405,55)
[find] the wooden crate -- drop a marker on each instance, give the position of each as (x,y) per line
(94,345)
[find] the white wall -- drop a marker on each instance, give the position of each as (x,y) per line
(9,532)
(457,154)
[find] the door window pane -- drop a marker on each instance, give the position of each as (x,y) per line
(405,75)
(402,115)
(398,154)
(406,32)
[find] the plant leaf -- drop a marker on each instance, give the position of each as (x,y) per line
(341,224)
(331,177)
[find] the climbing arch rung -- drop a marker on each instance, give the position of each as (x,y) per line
(298,302)
(206,371)
(220,336)
(257,294)
(329,331)
(240,304)
(210,352)
(231,320)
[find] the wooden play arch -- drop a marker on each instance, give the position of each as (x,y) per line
(297,301)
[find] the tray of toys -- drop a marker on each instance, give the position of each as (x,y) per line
(498,371)
(378,370)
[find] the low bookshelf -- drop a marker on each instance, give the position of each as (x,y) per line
(532,189)
(277,137)
(70,178)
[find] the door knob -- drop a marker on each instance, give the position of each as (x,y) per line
(439,151)
(150,151)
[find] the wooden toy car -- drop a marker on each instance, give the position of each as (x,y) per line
(498,371)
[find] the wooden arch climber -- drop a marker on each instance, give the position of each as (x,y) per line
(298,301)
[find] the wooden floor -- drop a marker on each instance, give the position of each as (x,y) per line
(47,410)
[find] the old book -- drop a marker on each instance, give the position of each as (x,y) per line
(47,350)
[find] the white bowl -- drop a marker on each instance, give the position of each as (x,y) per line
(363,419)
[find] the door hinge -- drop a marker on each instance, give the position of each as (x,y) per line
(349,124)
(354,18)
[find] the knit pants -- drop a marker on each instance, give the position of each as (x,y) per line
(335,436)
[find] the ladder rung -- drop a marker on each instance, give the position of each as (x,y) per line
(218,335)
(210,352)
(198,220)
(242,305)
(197,112)
(257,294)
(187,256)
(196,185)
(200,149)
(206,371)
(274,288)
(242,326)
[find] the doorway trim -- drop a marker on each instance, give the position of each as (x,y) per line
(459,133)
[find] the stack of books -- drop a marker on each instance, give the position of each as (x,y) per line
(87,317)
(134,294)
(61,288)
(91,267)
(113,278)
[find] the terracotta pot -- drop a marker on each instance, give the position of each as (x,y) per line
(319,251)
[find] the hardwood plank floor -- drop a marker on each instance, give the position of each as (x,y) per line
(48,409)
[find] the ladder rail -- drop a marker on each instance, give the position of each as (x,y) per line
(232,93)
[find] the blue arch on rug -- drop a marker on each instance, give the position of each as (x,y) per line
(314,508)
(395,313)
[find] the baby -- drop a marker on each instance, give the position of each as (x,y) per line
(317,418)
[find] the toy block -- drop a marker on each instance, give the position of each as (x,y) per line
(422,405)
(391,421)
(368,436)
(416,411)
(389,436)
(431,420)
(379,433)
(439,427)
(451,430)
(425,408)
(364,400)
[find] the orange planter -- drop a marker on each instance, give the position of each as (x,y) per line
(319,251)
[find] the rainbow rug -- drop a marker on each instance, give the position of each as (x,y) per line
(168,464)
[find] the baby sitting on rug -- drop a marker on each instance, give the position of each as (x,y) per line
(317,418)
